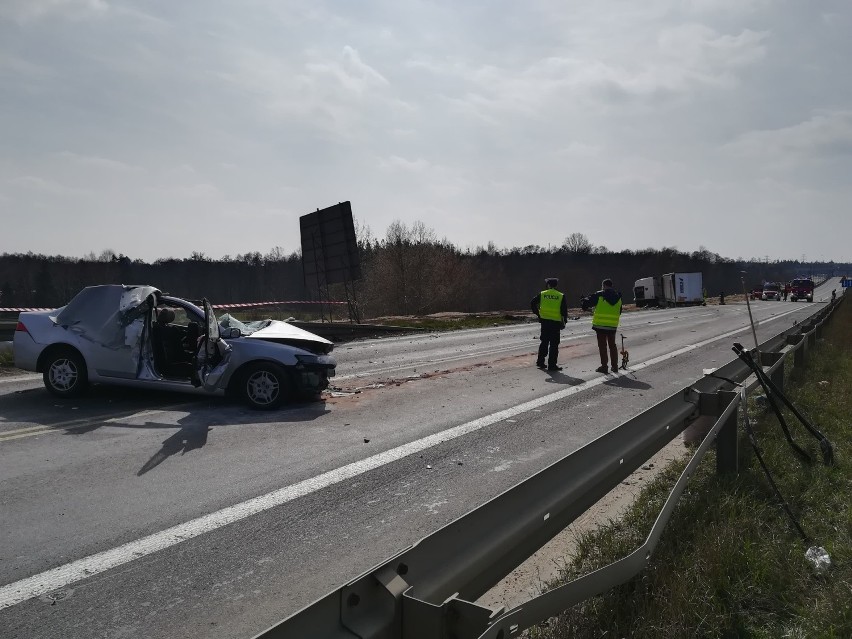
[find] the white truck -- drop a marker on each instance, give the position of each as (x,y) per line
(648,291)
(683,289)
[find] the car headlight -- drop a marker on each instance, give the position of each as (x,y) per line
(306,359)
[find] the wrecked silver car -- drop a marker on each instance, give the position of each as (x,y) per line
(136,336)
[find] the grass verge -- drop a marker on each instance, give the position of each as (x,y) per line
(730,563)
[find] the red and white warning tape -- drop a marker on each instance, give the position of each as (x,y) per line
(256,304)
(236,305)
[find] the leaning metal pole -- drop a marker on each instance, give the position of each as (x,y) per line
(750,318)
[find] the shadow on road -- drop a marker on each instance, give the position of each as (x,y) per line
(626,380)
(111,407)
(186,439)
(195,427)
(556,377)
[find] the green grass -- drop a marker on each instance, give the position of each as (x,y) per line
(6,359)
(730,563)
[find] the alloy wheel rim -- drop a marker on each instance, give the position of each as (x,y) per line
(63,374)
(263,387)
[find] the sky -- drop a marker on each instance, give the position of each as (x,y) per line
(161,128)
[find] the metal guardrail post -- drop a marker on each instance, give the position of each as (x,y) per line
(776,368)
(728,437)
(794,341)
(800,354)
(818,328)
(811,337)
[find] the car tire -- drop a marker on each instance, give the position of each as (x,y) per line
(265,386)
(65,373)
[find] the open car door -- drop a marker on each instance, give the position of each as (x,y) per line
(212,354)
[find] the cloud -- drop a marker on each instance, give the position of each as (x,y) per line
(352,72)
(824,136)
(333,94)
(24,11)
(40,185)
(681,60)
(728,6)
(415,166)
(93,162)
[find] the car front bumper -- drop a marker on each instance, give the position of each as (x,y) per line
(313,378)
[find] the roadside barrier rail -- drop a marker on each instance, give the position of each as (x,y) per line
(428,590)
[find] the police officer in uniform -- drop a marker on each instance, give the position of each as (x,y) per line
(607,312)
(551,308)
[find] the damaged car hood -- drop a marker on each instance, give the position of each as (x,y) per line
(277,331)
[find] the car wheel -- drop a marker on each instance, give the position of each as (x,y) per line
(65,374)
(265,386)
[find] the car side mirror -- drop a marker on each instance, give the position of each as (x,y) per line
(233,333)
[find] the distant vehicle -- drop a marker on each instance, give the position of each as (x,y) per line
(802,288)
(136,336)
(771,291)
(671,289)
(756,293)
(648,291)
(683,289)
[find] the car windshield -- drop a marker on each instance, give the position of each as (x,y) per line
(229,321)
(771,287)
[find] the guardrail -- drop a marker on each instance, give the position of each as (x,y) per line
(428,590)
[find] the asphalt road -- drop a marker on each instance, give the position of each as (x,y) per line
(127,514)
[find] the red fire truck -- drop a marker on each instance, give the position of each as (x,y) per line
(802,288)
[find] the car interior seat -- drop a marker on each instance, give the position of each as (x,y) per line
(158,329)
(170,356)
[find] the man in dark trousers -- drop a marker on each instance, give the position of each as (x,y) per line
(551,308)
(607,308)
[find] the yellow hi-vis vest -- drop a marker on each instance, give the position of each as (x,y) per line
(606,314)
(550,305)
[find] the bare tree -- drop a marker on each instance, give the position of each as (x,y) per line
(577,243)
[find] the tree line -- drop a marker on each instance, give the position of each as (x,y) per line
(409,271)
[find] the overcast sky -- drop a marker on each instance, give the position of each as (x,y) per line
(165,127)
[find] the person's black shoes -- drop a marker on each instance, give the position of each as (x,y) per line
(554,368)
(602,369)
(540,365)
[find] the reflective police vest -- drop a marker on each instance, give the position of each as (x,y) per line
(606,314)
(550,305)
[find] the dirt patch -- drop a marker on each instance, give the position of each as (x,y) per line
(522,360)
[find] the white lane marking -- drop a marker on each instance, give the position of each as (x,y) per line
(18,431)
(74,571)
(19,378)
(45,430)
